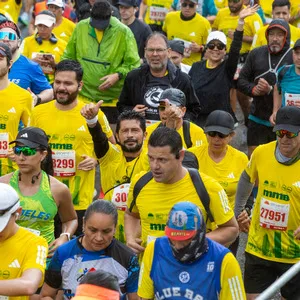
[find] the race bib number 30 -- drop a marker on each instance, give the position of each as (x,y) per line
(274,215)
(119,197)
(64,163)
(292,99)
(3,144)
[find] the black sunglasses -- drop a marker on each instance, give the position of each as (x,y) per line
(219,134)
(190,5)
(212,46)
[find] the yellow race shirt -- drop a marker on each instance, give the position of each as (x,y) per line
(15,105)
(155,201)
(118,174)
(225,22)
(195,30)
(276,212)
(157,10)
(295,11)
(231,276)
(221,3)
(31,49)
(261,40)
(64,30)
(70,141)
(197,134)
(21,252)
(12,8)
(227,172)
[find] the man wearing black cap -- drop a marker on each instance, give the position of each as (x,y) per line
(141,30)
(107,51)
(15,105)
(24,72)
(273,240)
(177,54)
(258,77)
(287,88)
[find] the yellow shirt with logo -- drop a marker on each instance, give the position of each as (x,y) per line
(118,174)
(198,137)
(230,269)
(31,49)
(157,10)
(15,105)
(155,201)
(225,22)
(261,40)
(64,30)
(227,172)
(195,30)
(21,252)
(276,212)
(12,8)
(69,139)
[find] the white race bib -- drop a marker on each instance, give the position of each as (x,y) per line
(158,13)
(292,99)
(36,232)
(238,70)
(273,215)
(4,298)
(3,144)
(120,195)
(64,163)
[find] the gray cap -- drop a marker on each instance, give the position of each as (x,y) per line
(288,118)
(219,121)
(175,96)
(177,46)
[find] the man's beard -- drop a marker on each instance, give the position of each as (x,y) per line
(71,98)
(275,48)
(134,149)
(235,9)
(3,72)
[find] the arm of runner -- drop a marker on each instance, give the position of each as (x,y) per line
(142,10)
(141,108)
(87,163)
(48,292)
(244,221)
(277,100)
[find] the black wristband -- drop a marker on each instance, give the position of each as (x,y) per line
(38,101)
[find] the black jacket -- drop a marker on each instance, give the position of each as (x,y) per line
(261,63)
(135,85)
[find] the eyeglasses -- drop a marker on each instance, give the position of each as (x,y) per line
(11,36)
(158,51)
(288,134)
(212,46)
(26,151)
(219,134)
(190,5)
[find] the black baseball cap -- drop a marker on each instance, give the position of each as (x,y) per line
(100,14)
(288,118)
(175,96)
(32,137)
(177,46)
(297,44)
(5,51)
(219,121)
(127,3)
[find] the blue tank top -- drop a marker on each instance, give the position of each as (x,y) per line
(198,280)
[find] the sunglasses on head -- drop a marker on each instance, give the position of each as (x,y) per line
(219,134)
(11,36)
(190,5)
(288,134)
(212,46)
(26,151)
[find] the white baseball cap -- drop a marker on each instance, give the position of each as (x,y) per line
(59,3)
(9,203)
(217,35)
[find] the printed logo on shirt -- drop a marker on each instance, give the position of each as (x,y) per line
(12,110)
(276,195)
(192,34)
(210,266)
(41,255)
(82,128)
(57,146)
(184,277)
(152,96)
(4,274)
(231,175)
(25,135)
(56,49)
(174,292)
(235,288)
(15,264)
(63,34)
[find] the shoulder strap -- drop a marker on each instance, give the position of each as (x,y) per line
(138,187)
(186,133)
(201,191)
(281,75)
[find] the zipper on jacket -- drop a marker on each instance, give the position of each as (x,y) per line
(97,62)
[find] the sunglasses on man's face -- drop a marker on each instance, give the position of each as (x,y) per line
(190,5)
(9,35)
(219,134)
(212,46)
(26,151)
(288,134)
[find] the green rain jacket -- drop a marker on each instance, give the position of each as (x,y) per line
(117,52)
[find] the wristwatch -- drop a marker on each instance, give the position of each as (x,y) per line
(67,234)
(120,75)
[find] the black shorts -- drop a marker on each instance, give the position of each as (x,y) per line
(111,113)
(261,273)
(259,134)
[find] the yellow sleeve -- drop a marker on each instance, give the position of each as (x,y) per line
(232,285)
(198,136)
(216,22)
(207,31)
(164,28)
(146,286)
(104,124)
(26,114)
(251,168)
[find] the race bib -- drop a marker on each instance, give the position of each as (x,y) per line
(36,232)
(119,197)
(3,144)
(158,13)
(64,163)
(238,70)
(4,298)
(273,215)
(292,99)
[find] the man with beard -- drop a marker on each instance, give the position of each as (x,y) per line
(119,163)
(258,78)
(16,105)
(73,155)
(143,86)
(24,72)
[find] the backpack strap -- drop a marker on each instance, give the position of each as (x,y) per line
(186,133)
(201,191)
(138,187)
(280,76)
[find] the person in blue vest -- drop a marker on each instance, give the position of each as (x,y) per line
(185,264)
